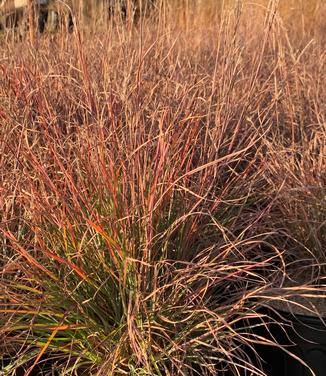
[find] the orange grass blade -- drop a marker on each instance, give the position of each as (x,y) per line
(71,265)
(110,242)
(22,251)
(61,260)
(41,352)
(31,312)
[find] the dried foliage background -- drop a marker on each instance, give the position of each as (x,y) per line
(161,180)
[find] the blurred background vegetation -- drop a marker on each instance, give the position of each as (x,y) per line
(307,16)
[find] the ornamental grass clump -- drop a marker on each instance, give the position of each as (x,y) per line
(296,159)
(299,212)
(135,195)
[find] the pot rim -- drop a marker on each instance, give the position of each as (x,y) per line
(317,321)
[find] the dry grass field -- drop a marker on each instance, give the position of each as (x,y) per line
(160,180)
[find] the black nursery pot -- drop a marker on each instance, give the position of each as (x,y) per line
(305,337)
